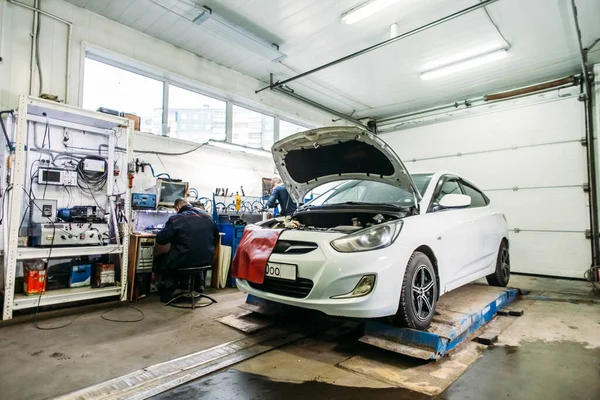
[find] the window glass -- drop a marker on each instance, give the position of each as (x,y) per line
(450,186)
(477,198)
(363,191)
(207,114)
(369,192)
(287,128)
(124,91)
(252,129)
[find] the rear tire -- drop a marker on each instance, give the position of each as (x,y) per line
(419,294)
(501,275)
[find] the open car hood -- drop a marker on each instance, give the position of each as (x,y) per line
(312,158)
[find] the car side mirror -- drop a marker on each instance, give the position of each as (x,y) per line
(455,201)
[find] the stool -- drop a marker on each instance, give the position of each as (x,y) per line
(191,273)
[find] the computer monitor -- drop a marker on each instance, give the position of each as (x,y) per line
(168,191)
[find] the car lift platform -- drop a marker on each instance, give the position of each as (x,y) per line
(459,314)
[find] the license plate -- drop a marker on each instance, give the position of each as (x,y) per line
(281,271)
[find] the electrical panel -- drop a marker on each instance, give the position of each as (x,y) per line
(93,165)
(143,201)
(69,234)
(57,176)
(42,211)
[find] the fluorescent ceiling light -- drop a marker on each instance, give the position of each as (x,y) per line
(232,33)
(365,10)
(244,149)
(458,55)
(463,65)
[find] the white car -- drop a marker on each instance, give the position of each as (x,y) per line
(383,243)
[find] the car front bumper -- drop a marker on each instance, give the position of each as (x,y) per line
(333,273)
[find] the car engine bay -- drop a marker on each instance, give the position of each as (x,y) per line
(332,221)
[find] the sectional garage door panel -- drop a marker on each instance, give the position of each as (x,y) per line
(551,254)
(542,123)
(531,163)
(544,210)
(551,165)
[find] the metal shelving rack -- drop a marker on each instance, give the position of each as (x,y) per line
(56,114)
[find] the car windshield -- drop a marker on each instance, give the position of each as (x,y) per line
(362,191)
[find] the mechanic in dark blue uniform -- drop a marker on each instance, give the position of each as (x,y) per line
(193,236)
(281,196)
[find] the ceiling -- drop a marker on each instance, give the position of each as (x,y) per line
(386,81)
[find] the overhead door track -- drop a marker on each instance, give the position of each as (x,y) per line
(382,44)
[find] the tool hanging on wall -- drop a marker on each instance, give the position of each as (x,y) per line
(238,201)
(132,167)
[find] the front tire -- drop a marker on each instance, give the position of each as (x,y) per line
(419,294)
(501,275)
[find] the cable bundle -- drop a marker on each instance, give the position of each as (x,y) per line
(91,181)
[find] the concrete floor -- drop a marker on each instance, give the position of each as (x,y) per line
(92,350)
(551,352)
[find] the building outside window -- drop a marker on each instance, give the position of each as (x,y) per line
(252,129)
(208,115)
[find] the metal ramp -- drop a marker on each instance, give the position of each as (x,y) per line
(459,314)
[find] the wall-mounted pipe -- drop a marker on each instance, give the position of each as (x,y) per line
(447,18)
(496,97)
(69,25)
(568,81)
(34,30)
(590,146)
(2,19)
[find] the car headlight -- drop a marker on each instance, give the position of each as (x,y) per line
(376,237)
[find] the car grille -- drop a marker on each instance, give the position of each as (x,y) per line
(294,247)
(300,288)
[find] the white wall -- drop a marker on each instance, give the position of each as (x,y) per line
(205,169)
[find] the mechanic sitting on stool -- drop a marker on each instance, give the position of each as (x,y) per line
(280,195)
(193,237)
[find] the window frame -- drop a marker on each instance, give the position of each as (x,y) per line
(131,65)
(464,182)
(438,188)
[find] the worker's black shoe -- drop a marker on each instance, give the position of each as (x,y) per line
(166,290)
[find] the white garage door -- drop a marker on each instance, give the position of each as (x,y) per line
(531,163)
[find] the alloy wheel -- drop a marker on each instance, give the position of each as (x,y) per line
(423,292)
(505,264)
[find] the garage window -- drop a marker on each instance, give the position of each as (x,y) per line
(478,199)
(208,115)
(169,107)
(118,89)
(252,129)
(287,128)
